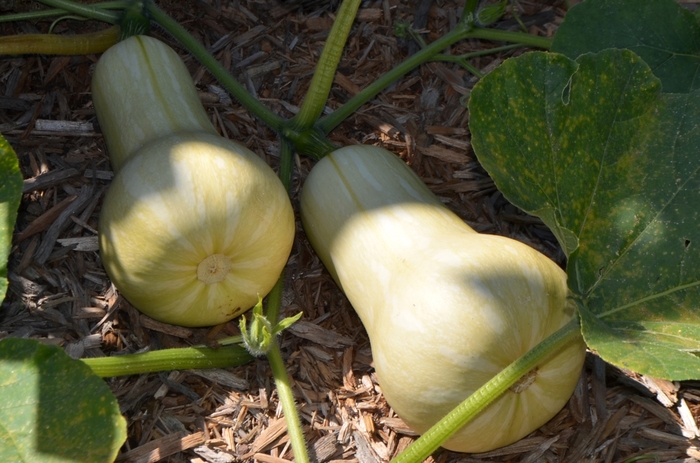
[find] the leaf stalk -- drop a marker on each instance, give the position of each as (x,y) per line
(463,31)
(286,396)
(50,13)
(221,74)
(96,11)
(321,82)
(184,358)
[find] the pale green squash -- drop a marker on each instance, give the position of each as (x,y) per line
(445,308)
(193,228)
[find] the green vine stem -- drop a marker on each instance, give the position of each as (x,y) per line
(286,157)
(95,11)
(284,391)
(463,60)
(274,355)
(183,358)
(50,13)
(461,32)
(58,44)
(474,54)
(264,114)
(496,35)
(260,338)
(419,450)
(320,86)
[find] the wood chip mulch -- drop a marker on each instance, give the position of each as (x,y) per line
(59,293)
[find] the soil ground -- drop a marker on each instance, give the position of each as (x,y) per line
(60,294)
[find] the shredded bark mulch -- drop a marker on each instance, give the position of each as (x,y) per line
(59,293)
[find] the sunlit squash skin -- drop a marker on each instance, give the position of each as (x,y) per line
(193,228)
(142,91)
(445,308)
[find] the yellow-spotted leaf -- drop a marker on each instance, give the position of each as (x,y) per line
(662,32)
(611,165)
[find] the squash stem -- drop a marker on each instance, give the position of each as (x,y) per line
(264,114)
(419,450)
(328,123)
(286,156)
(56,44)
(274,301)
(284,391)
(50,13)
(184,358)
(462,31)
(522,38)
(95,11)
(321,82)
(274,355)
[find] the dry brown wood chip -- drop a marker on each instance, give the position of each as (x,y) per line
(81,243)
(347,84)
(158,449)
(49,125)
(177,331)
(445,154)
(315,333)
(268,436)
(325,448)
(365,454)
(269,458)
(212,456)
(249,35)
(666,391)
(48,179)
(660,436)
(46,219)
(369,14)
(44,250)
(223,378)
(657,410)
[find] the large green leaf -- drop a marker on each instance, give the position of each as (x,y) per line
(611,164)
(53,408)
(663,33)
(10,195)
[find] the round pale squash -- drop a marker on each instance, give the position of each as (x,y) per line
(193,228)
(445,308)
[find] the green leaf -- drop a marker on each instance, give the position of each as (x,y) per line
(53,408)
(258,339)
(608,161)
(10,195)
(286,323)
(663,33)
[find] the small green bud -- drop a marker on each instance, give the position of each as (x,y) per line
(489,14)
(259,338)
(401,29)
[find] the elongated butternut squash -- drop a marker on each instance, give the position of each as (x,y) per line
(194,226)
(445,308)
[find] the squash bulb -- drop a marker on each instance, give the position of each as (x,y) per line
(445,308)
(193,228)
